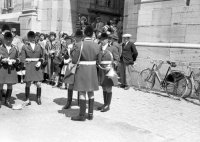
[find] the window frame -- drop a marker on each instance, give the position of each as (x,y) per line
(152,1)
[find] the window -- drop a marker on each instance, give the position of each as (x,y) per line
(105,3)
(8,3)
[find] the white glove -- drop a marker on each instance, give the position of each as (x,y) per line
(67,61)
(38,64)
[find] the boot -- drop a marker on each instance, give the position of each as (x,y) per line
(90,109)
(81,116)
(1,92)
(69,99)
(104,99)
(39,90)
(7,98)
(108,101)
(27,94)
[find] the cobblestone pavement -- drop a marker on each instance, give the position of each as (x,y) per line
(134,117)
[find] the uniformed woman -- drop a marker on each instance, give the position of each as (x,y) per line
(32,56)
(69,77)
(8,61)
(86,79)
(108,57)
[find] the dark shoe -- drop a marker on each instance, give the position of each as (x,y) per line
(126,88)
(1,93)
(39,90)
(104,99)
(122,86)
(69,99)
(81,116)
(7,98)
(107,107)
(90,109)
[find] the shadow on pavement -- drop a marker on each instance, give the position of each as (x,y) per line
(72,111)
(21,96)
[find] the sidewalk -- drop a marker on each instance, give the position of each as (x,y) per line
(134,117)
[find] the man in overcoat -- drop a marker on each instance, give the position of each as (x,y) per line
(8,62)
(86,79)
(128,57)
(32,56)
(108,57)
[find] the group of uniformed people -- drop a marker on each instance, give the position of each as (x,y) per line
(84,64)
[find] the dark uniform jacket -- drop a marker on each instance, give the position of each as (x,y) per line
(32,73)
(129,53)
(86,75)
(8,73)
(104,55)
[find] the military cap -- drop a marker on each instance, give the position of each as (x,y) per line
(78,33)
(88,31)
(52,33)
(31,34)
(8,35)
(104,36)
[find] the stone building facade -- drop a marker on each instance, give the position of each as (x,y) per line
(164,30)
(56,15)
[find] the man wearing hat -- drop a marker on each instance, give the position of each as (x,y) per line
(86,80)
(53,48)
(32,56)
(8,62)
(128,57)
(108,56)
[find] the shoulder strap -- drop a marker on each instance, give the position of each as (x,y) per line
(80,52)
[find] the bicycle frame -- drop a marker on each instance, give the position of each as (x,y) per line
(155,72)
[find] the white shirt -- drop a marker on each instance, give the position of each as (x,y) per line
(8,48)
(32,45)
(104,47)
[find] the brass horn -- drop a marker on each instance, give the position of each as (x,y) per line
(111,72)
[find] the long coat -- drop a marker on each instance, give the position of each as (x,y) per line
(104,55)
(7,77)
(86,78)
(54,58)
(32,73)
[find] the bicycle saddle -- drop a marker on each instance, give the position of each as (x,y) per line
(172,64)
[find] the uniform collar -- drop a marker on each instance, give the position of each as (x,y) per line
(88,39)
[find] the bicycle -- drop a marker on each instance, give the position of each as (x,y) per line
(193,82)
(174,81)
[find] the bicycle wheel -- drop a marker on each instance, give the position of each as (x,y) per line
(190,89)
(146,79)
(178,86)
(197,89)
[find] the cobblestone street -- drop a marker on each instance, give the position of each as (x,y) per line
(134,116)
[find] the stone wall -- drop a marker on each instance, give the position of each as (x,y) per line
(167,22)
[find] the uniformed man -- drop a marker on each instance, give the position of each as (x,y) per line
(8,61)
(86,79)
(32,56)
(108,57)
(128,57)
